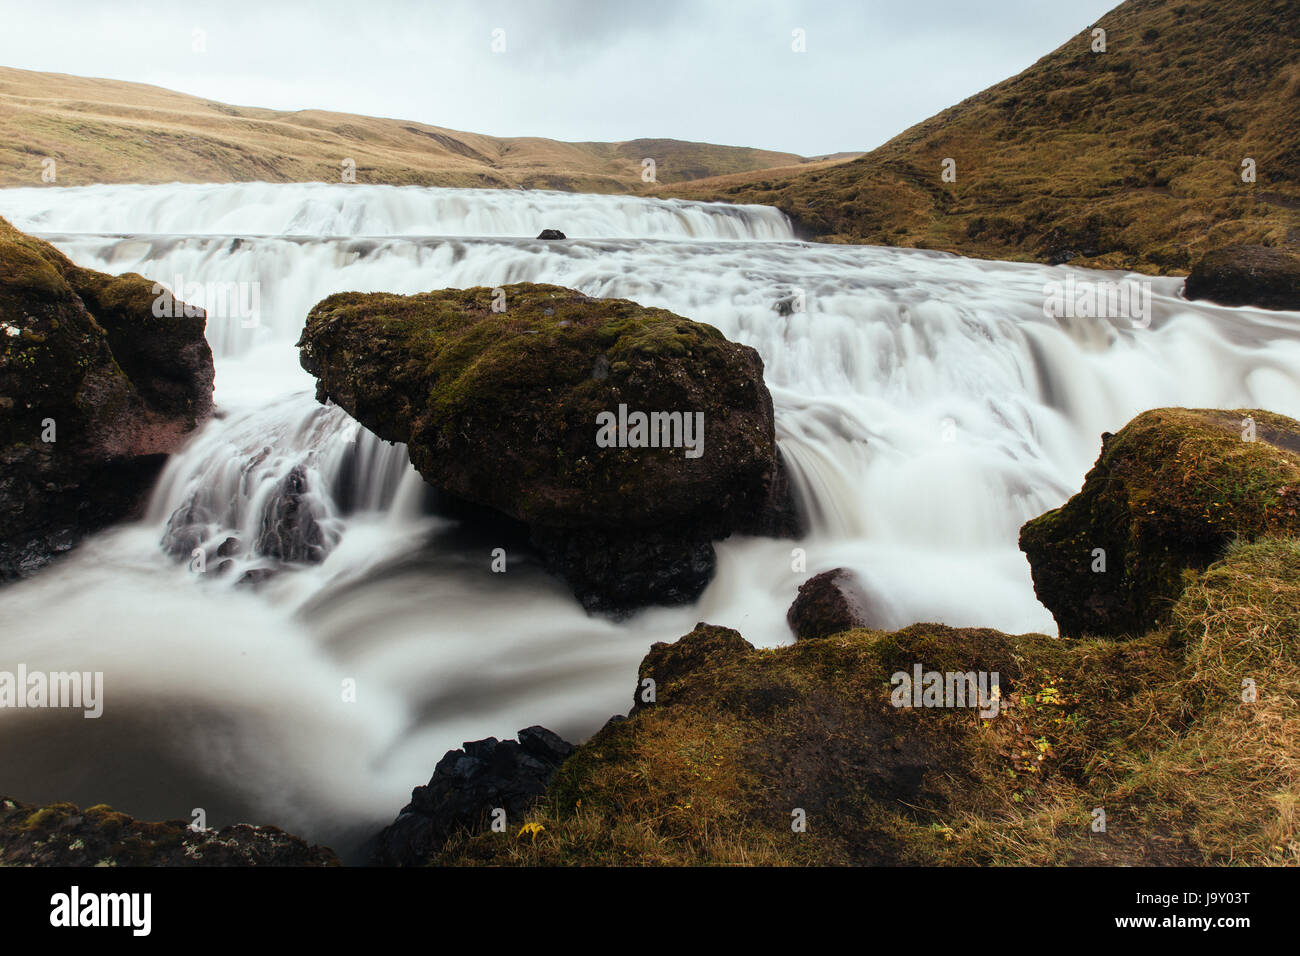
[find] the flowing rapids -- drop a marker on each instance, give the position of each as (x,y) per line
(925,403)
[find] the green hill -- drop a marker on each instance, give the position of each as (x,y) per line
(1131,157)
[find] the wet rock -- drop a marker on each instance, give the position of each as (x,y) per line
(1258,276)
(290,531)
(828,603)
(467,785)
(95,392)
(551,234)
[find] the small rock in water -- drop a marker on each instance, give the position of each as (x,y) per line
(551,234)
(828,603)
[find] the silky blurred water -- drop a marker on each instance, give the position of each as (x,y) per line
(926,404)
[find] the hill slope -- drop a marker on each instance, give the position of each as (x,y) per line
(1130,157)
(107,131)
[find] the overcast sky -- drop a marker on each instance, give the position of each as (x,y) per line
(721,72)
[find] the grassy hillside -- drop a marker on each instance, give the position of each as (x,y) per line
(1130,157)
(106,131)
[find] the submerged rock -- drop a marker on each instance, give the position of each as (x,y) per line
(627,439)
(95,392)
(290,531)
(827,604)
(1167,495)
(466,787)
(1258,276)
(63,835)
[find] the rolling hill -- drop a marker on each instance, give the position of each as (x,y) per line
(108,131)
(1131,157)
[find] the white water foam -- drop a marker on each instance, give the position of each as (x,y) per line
(925,403)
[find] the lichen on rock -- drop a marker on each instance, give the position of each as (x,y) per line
(499,396)
(61,834)
(95,391)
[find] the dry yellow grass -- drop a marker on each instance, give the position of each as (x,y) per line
(107,131)
(1127,158)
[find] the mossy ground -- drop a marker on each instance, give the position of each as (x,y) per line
(62,835)
(1152,730)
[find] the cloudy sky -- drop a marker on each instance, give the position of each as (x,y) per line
(721,72)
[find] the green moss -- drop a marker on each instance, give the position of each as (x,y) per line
(1169,492)
(1153,730)
(47,818)
(463,385)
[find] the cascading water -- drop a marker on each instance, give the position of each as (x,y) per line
(925,403)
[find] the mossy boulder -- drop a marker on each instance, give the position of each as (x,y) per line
(1259,276)
(95,391)
(63,835)
(740,745)
(1167,495)
(829,603)
(503,399)
(1183,742)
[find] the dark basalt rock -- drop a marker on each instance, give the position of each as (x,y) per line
(501,410)
(290,531)
(1167,495)
(84,360)
(551,234)
(467,785)
(1258,276)
(63,835)
(828,603)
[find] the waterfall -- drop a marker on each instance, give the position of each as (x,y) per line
(927,405)
(320,209)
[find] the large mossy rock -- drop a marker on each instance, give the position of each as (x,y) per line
(63,835)
(500,408)
(1185,750)
(95,392)
(1166,496)
(1258,276)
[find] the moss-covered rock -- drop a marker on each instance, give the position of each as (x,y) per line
(1166,496)
(1259,276)
(94,393)
(1179,746)
(63,835)
(504,409)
